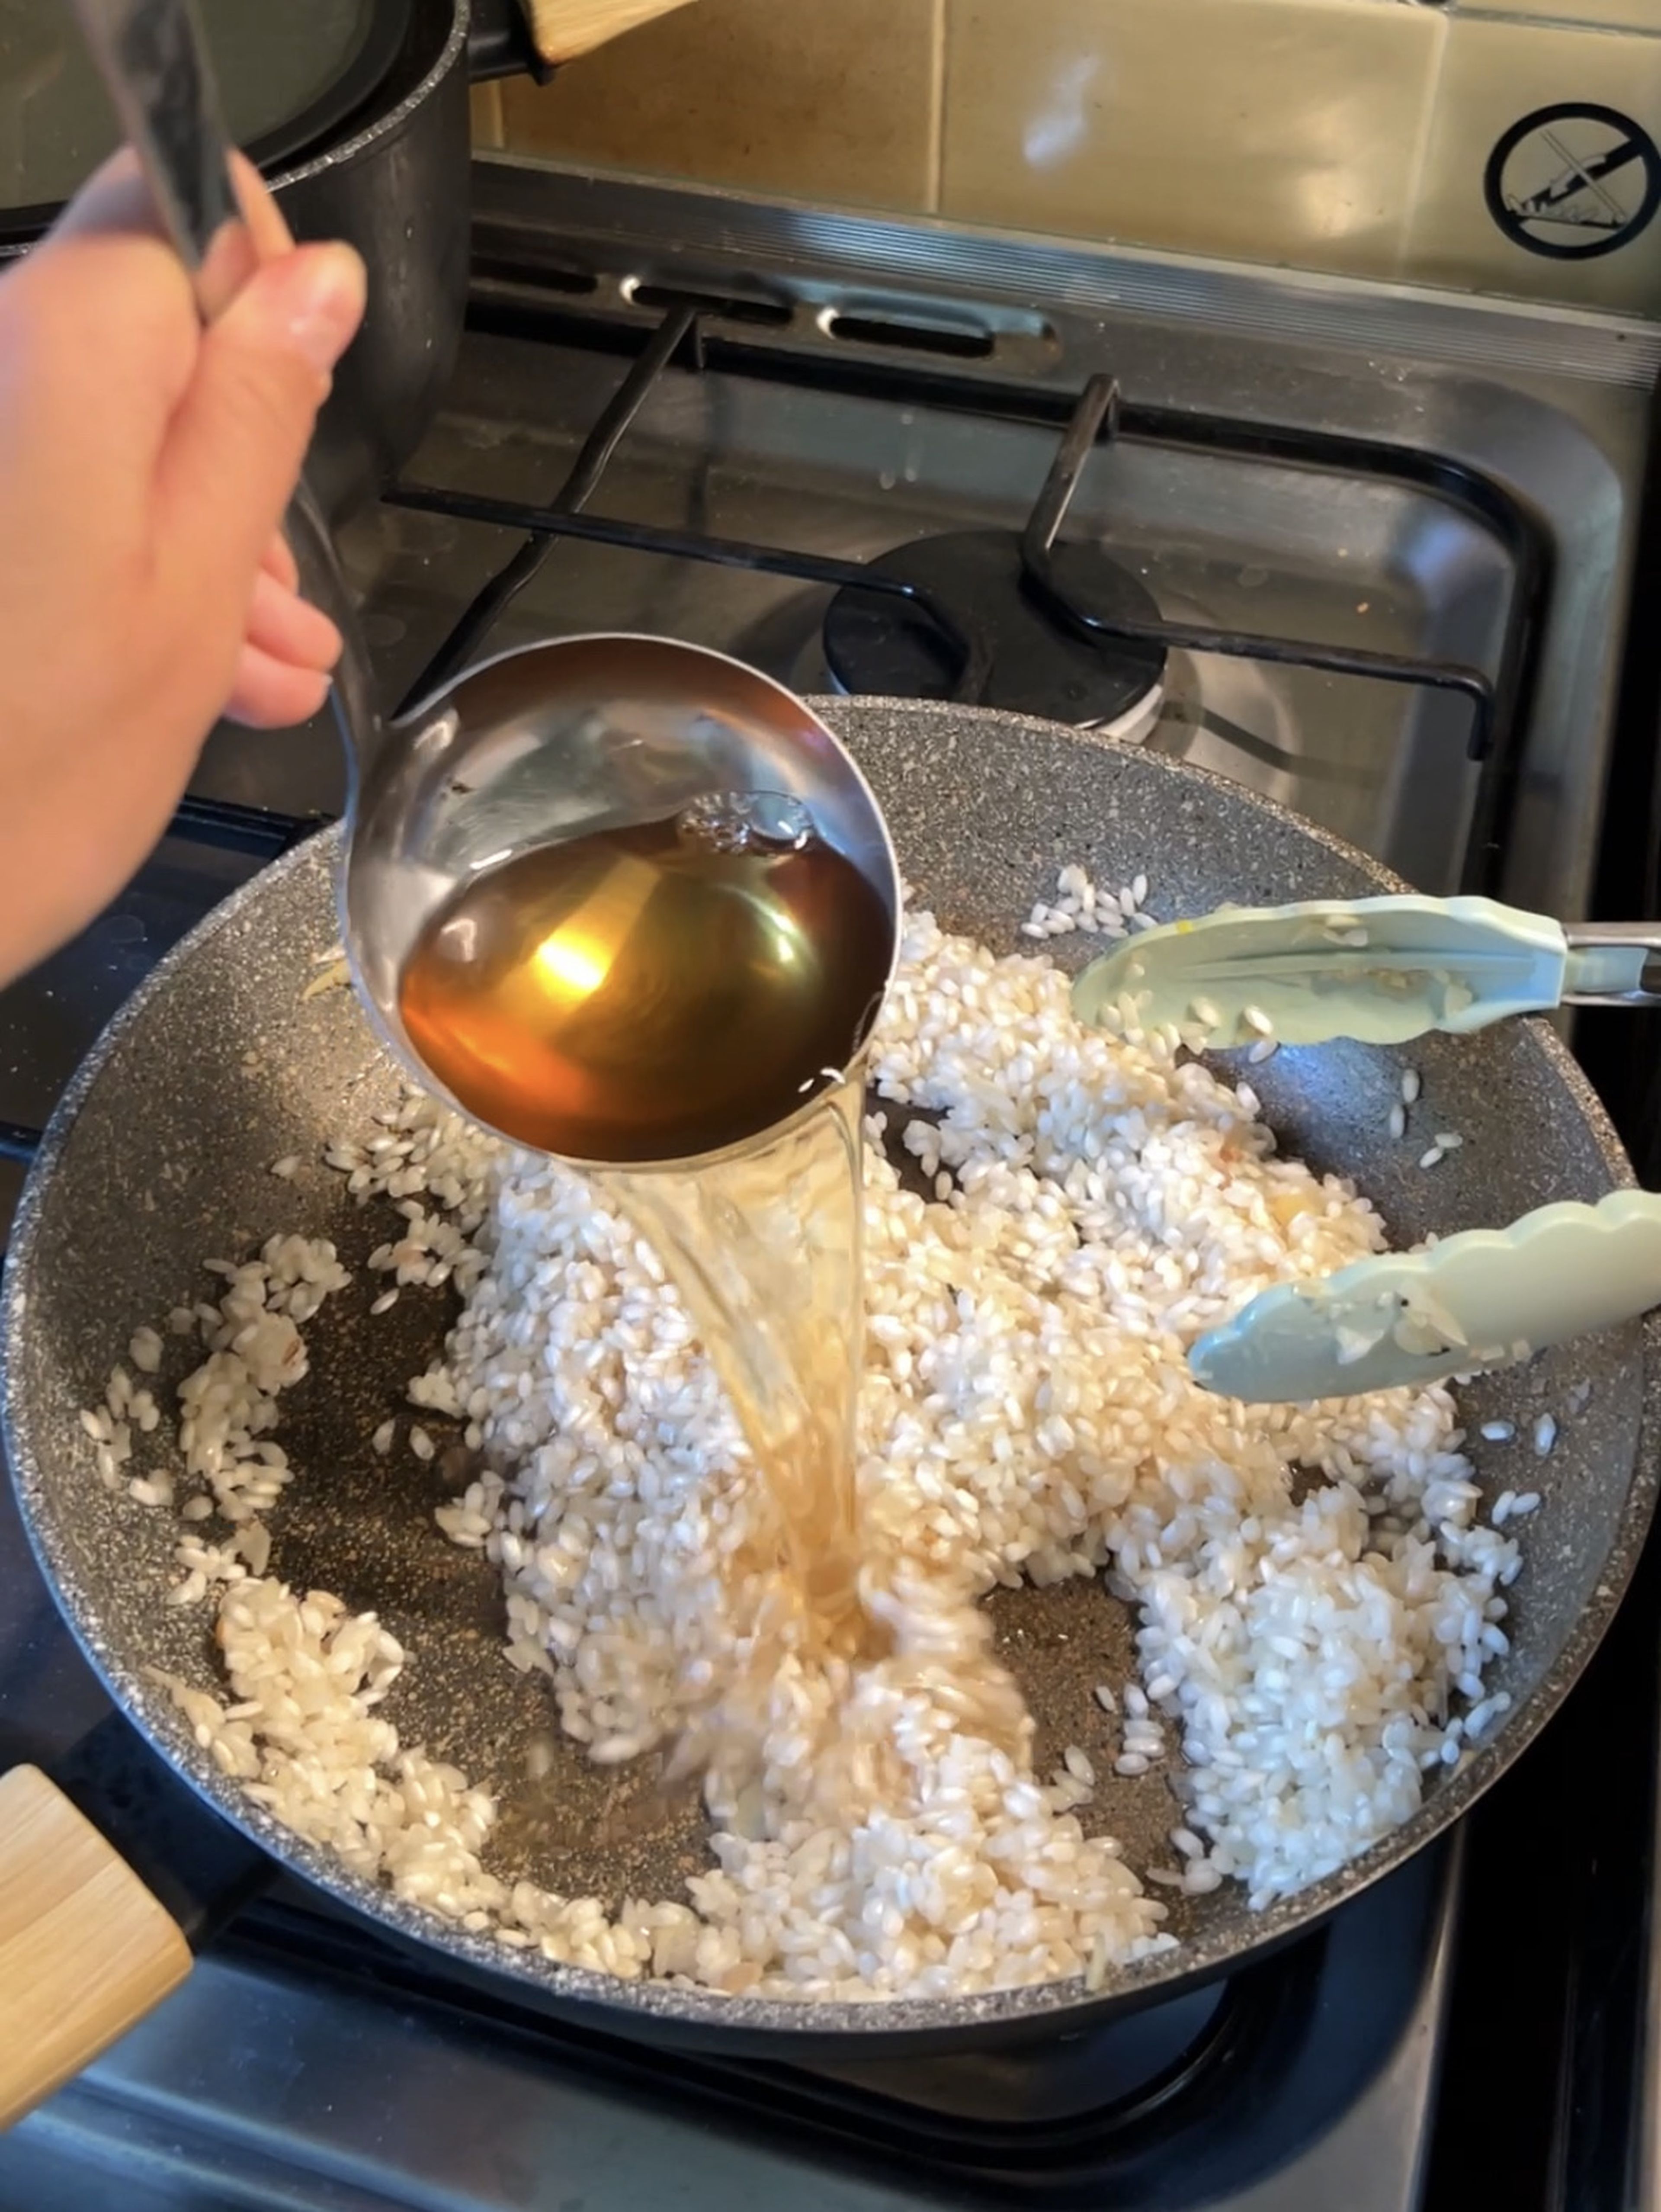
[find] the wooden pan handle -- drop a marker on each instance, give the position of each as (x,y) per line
(84,1950)
(563,29)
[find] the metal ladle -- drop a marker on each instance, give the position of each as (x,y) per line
(543,744)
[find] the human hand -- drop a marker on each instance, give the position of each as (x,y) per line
(145,589)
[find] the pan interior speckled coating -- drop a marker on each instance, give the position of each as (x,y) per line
(159,1157)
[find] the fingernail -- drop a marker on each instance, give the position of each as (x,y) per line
(326,303)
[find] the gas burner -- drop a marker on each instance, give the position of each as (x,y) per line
(877,643)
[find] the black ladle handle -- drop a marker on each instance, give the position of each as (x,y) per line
(155,65)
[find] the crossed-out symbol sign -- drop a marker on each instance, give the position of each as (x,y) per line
(1573,181)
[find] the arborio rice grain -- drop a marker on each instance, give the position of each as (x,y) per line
(1027,1415)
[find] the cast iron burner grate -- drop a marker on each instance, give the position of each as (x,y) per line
(1050,580)
(887,648)
(1079,593)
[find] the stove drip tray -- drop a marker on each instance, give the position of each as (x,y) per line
(878,645)
(1286,2084)
(1124,2064)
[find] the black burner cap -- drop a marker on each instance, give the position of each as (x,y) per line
(876,643)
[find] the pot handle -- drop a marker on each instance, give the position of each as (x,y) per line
(499,42)
(85,1948)
(564,29)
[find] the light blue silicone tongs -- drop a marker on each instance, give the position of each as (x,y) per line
(1381,969)
(1485,1299)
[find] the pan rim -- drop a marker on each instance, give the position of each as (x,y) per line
(688,2013)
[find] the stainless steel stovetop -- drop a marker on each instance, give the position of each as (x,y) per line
(1394,532)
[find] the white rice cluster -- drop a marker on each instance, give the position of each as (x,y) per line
(227,1407)
(1144,1739)
(1314,1592)
(1079,904)
(306,1738)
(303,1734)
(127,1409)
(1265,1044)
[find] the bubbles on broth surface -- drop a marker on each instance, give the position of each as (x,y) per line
(747,821)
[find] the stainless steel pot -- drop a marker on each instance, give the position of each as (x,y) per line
(396,187)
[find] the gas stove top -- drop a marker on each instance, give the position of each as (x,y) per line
(1367,550)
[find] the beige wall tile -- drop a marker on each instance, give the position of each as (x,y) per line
(1271,130)
(835,100)
(1637,15)
(488,116)
(1495,75)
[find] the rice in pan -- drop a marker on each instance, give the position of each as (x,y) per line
(1316,1598)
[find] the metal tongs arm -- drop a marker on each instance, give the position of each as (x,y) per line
(1601,970)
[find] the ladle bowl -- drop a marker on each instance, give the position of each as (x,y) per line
(557,741)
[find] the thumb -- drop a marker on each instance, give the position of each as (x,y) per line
(235,446)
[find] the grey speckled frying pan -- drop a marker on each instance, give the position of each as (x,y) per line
(158,1157)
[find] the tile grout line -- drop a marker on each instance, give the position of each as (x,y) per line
(938,106)
(490,116)
(1429,117)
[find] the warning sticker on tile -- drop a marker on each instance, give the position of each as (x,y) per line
(1573,181)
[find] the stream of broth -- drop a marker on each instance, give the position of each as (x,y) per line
(676,987)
